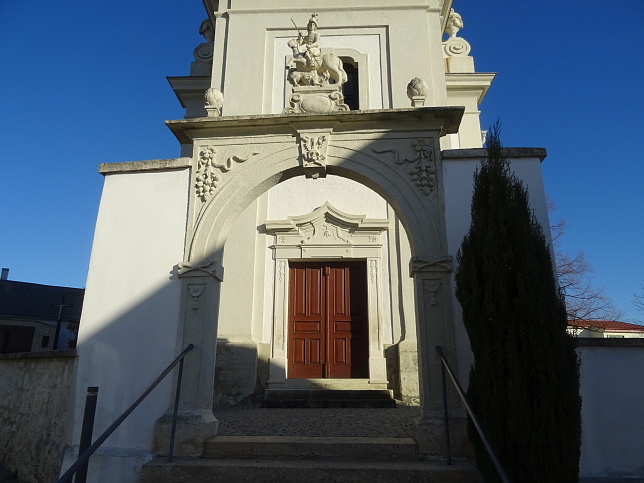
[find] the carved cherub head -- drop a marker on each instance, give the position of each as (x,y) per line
(454,23)
(207,31)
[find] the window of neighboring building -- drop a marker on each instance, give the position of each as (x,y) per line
(45,341)
(15,339)
(615,336)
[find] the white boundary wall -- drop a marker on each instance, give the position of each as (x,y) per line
(612,388)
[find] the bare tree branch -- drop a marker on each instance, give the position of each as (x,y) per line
(584,302)
(638,298)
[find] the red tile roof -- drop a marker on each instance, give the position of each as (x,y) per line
(608,325)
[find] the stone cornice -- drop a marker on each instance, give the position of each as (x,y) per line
(150,165)
(479,153)
(467,81)
(447,119)
(332,8)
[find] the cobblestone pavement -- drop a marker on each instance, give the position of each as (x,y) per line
(341,422)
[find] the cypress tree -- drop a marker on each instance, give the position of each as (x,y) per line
(524,384)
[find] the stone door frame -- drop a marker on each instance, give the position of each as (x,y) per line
(327,234)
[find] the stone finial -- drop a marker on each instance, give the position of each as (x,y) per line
(214,102)
(417,91)
(454,23)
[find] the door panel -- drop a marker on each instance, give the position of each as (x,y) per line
(307,337)
(328,320)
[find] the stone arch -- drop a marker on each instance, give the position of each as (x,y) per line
(208,238)
(394,153)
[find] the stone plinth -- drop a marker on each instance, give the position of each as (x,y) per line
(316,100)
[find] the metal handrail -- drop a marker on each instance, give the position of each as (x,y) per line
(503,474)
(83,459)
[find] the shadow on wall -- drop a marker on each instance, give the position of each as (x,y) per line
(241,371)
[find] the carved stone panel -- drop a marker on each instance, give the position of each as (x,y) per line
(423,165)
(316,100)
(313,152)
(211,167)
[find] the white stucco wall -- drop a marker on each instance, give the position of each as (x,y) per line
(299,196)
(128,331)
(376,29)
(612,390)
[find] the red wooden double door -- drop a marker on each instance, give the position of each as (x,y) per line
(328,326)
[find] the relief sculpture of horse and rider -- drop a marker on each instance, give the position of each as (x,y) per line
(310,73)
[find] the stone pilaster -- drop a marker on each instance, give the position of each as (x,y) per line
(435,327)
(200,310)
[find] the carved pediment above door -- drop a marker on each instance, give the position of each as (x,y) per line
(327,233)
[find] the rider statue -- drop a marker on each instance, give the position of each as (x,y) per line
(308,46)
(316,77)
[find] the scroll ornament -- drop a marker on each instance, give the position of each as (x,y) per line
(423,174)
(209,171)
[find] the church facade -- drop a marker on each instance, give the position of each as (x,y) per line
(307,235)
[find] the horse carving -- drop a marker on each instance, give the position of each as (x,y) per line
(309,67)
(325,67)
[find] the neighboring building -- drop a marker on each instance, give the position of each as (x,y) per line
(30,314)
(294,240)
(605,329)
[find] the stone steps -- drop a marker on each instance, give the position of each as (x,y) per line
(328,398)
(335,384)
(283,470)
(399,449)
(279,459)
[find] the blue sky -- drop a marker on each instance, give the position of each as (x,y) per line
(82,86)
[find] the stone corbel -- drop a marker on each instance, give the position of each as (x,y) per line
(314,146)
(210,268)
(432,264)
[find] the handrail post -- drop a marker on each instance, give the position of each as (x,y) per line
(448,449)
(85,455)
(174,412)
(505,478)
(87,430)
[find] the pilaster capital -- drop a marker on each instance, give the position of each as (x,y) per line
(436,263)
(204,268)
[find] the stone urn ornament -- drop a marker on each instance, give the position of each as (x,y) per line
(417,91)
